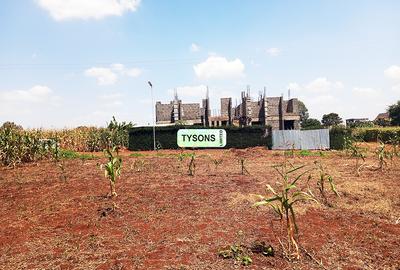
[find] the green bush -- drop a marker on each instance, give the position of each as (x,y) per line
(337,137)
(166,137)
(384,134)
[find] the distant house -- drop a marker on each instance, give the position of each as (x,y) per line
(383,119)
(356,121)
(383,116)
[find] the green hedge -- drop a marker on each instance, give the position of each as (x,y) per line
(141,138)
(337,137)
(386,134)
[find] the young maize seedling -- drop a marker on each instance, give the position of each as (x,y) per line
(322,178)
(192,164)
(216,162)
(112,169)
(283,201)
(57,157)
(242,162)
(181,157)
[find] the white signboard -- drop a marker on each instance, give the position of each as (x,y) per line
(201,138)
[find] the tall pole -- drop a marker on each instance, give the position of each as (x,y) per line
(152,110)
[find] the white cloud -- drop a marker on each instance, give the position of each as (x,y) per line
(393,72)
(87,9)
(117,67)
(22,102)
(197,91)
(319,85)
(216,67)
(104,76)
(294,86)
(194,47)
(108,76)
(273,51)
(366,92)
(36,94)
(133,72)
(396,88)
(323,85)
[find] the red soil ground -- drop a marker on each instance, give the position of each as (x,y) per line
(165,219)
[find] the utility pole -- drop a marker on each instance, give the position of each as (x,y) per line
(152,110)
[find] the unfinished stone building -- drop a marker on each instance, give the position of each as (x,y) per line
(273,111)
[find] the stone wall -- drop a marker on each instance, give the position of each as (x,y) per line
(226,104)
(163,112)
(190,111)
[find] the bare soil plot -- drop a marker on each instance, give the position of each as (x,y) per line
(165,219)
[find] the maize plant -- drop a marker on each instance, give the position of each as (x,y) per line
(395,142)
(382,155)
(322,178)
(283,200)
(19,146)
(57,157)
(356,152)
(112,169)
(216,162)
(242,162)
(119,132)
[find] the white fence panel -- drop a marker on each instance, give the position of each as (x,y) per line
(300,139)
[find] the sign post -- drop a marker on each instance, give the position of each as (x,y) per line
(206,138)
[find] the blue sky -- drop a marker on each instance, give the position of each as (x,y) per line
(65,63)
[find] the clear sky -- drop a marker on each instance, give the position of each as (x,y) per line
(65,63)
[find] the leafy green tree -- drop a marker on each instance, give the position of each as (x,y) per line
(331,119)
(394,113)
(311,123)
(382,122)
(304,115)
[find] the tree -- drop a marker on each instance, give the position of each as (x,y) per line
(394,113)
(303,111)
(382,122)
(331,119)
(311,123)
(11,125)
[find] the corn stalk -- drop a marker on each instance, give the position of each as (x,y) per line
(283,200)
(112,169)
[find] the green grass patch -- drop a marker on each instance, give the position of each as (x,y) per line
(69,154)
(136,155)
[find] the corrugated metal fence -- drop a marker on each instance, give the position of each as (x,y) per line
(300,139)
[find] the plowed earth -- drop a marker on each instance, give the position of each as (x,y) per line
(165,219)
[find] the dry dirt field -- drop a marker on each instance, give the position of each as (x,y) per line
(165,219)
